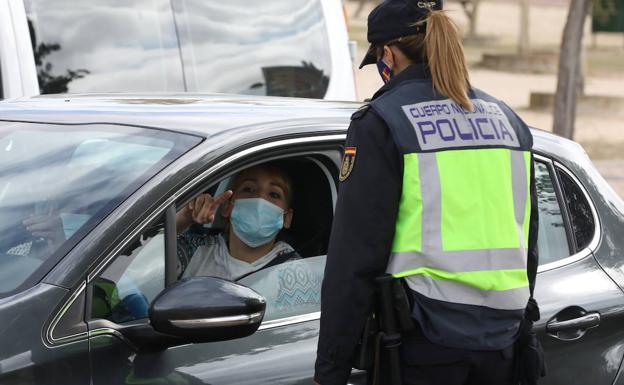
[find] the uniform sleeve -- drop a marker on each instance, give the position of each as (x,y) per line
(360,244)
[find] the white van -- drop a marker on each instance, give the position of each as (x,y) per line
(275,47)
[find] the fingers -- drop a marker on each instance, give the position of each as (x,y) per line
(221,199)
(37,220)
(205,206)
(202,209)
(31,220)
(41,226)
(44,234)
(199,202)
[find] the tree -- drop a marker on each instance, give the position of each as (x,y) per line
(471,9)
(570,74)
(523,36)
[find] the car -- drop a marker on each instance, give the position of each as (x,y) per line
(110,171)
(280,48)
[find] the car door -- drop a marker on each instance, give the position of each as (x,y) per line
(282,351)
(581,307)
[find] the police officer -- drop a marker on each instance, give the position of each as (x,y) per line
(437,188)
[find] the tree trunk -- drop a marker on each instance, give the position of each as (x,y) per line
(523,36)
(471,9)
(570,69)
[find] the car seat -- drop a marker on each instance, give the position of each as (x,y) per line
(312,206)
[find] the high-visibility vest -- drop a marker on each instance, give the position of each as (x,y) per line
(461,235)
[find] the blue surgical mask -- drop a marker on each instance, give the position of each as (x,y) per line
(384,71)
(256,221)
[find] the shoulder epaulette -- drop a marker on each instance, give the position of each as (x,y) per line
(360,112)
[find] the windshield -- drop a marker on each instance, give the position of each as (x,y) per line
(58,182)
(277,47)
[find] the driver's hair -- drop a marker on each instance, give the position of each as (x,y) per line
(274,168)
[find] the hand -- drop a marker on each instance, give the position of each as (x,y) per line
(47,225)
(201,210)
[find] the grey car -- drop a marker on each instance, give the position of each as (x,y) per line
(89,288)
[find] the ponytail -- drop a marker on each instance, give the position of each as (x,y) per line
(445,57)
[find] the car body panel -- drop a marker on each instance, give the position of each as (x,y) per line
(237,129)
(25,357)
(597,354)
(274,356)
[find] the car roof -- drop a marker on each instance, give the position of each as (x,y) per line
(199,114)
(207,114)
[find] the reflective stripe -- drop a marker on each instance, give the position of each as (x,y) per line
(528,160)
(432,204)
(459,261)
(520,192)
(498,280)
(449,291)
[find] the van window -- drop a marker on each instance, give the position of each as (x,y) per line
(279,47)
(104,45)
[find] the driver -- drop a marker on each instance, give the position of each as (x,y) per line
(256,208)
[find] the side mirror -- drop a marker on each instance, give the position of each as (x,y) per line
(206,309)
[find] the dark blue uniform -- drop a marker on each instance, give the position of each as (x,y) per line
(359,249)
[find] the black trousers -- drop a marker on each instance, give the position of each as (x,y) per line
(425,363)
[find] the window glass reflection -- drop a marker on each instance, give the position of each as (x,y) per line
(58,182)
(124,291)
(552,240)
(581,216)
(104,45)
(277,47)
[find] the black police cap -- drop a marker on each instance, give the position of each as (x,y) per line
(393,19)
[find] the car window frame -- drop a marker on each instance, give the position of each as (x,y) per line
(309,144)
(332,179)
(553,165)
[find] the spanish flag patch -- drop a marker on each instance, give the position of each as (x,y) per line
(348,160)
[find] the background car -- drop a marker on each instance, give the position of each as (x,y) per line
(281,47)
(110,173)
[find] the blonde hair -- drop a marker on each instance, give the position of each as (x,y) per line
(446,60)
(441,49)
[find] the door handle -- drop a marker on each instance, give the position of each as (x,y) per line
(587,321)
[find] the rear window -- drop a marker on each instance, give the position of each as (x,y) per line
(277,47)
(58,182)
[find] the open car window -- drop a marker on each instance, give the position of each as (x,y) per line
(292,285)
(291,288)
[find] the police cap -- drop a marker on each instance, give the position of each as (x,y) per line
(393,19)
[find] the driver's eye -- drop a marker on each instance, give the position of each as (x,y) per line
(275,195)
(247,189)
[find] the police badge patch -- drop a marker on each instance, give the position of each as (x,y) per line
(348,160)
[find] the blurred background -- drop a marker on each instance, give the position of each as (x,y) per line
(513,47)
